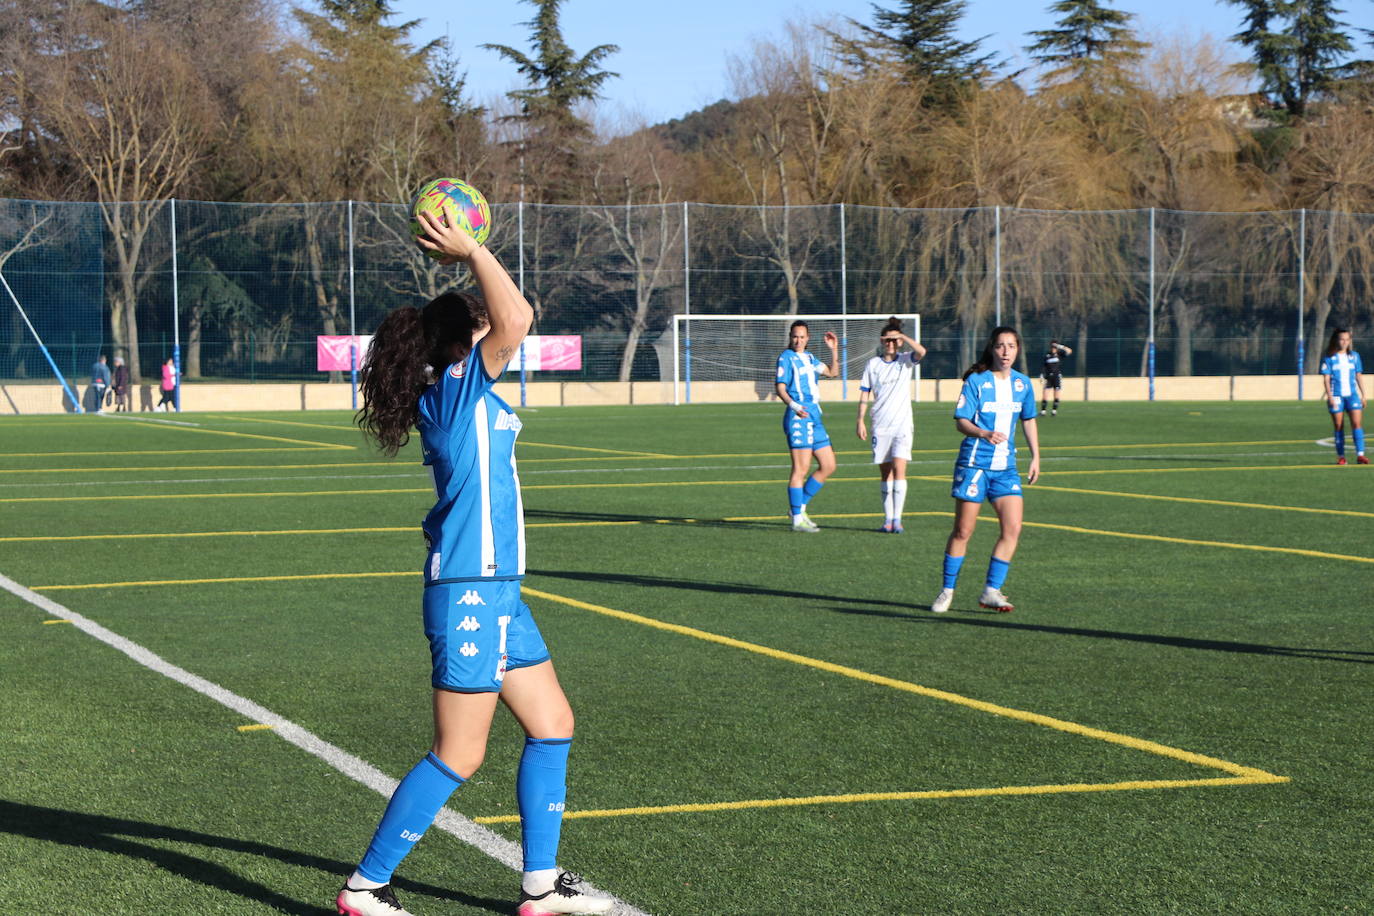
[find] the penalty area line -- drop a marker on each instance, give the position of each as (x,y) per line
(465,830)
(860,797)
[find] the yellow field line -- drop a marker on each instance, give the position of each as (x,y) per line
(1207,502)
(203,467)
(226,432)
(1296,551)
(170,451)
(223,580)
(584,448)
(1227,467)
(400,529)
(257,727)
(237,419)
(1074,728)
(75,499)
(1133,785)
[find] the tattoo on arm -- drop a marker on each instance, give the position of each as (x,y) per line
(504,354)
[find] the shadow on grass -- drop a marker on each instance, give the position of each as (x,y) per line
(960,616)
(120,836)
(726,588)
(549,515)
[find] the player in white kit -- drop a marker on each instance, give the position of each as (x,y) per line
(886,383)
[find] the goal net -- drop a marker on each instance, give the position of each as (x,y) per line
(745,348)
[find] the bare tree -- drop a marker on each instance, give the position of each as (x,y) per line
(135,119)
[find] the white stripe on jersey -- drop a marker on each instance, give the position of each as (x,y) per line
(519,518)
(481,427)
(1003,408)
(1343,368)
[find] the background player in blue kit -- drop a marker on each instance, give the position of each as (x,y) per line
(994,397)
(798,386)
(1341,370)
(434,369)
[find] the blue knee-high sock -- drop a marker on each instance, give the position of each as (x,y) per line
(952,567)
(997,572)
(795,499)
(1359,441)
(810,489)
(411,810)
(1340,443)
(540,790)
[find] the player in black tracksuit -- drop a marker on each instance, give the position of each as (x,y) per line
(1053,374)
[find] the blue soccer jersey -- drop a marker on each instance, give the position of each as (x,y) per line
(800,374)
(476,529)
(993,403)
(1342,367)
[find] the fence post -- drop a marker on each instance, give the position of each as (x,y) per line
(997,260)
(176,310)
(687,294)
(1302,295)
(520,245)
(844,313)
(352,326)
(1150,340)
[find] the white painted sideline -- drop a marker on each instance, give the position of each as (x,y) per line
(449,821)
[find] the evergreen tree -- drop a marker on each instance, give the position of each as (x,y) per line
(1297,46)
(918,37)
(557,80)
(1090,38)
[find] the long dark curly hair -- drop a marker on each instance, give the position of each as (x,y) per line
(411,347)
(988,359)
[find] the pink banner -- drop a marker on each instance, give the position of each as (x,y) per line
(332,352)
(550,352)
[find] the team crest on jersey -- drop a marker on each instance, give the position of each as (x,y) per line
(1018,385)
(458,370)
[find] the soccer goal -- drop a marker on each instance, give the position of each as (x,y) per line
(745,348)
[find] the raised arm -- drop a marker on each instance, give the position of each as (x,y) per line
(833,342)
(916,348)
(509,315)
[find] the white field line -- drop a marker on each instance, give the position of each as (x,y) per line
(355,768)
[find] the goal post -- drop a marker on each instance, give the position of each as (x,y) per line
(745,348)
(52,363)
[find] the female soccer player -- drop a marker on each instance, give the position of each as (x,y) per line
(1053,374)
(1344,392)
(433,368)
(994,396)
(799,389)
(887,382)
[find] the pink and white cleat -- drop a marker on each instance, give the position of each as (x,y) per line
(379,901)
(565,897)
(993,599)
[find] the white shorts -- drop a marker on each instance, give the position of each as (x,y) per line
(889,445)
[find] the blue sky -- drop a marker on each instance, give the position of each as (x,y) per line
(672,56)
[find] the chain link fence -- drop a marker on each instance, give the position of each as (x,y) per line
(239,292)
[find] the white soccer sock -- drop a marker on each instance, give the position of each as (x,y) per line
(357,882)
(539,882)
(898,498)
(886,489)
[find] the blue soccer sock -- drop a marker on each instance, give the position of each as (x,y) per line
(810,489)
(540,790)
(997,572)
(411,810)
(1340,443)
(1359,441)
(952,567)
(795,499)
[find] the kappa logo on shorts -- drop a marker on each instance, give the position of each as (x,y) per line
(469,623)
(468,649)
(471,597)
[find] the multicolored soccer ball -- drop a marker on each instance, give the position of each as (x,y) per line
(471,209)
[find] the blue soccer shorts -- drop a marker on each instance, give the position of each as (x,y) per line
(478,630)
(808,432)
(973,485)
(1349,402)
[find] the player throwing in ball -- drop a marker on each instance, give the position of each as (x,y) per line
(887,383)
(1341,369)
(994,397)
(433,368)
(798,387)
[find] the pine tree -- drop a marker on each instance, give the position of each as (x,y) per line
(556,81)
(918,37)
(1091,38)
(1300,59)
